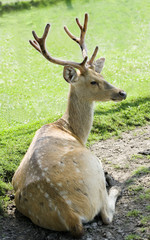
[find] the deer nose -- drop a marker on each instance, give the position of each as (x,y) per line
(123,94)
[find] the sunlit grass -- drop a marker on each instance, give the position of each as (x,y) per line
(10,1)
(33,89)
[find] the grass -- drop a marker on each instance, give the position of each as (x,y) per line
(10,1)
(136,157)
(145,195)
(145,220)
(133,213)
(141,170)
(32,86)
(132,237)
(17,5)
(148,208)
(135,189)
(33,92)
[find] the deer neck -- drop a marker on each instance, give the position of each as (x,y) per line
(79,115)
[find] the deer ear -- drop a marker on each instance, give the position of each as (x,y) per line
(99,64)
(70,74)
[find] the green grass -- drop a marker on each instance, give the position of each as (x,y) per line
(145,195)
(141,170)
(135,189)
(31,86)
(132,237)
(17,5)
(33,92)
(133,213)
(10,1)
(145,220)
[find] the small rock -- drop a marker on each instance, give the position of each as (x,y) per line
(94,224)
(100,223)
(145,152)
(108,235)
(120,231)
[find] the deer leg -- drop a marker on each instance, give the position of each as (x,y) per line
(109,180)
(73,223)
(108,208)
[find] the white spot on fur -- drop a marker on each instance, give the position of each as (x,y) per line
(55,208)
(45,169)
(39,155)
(58,213)
(59,184)
(81,181)
(77,170)
(68,201)
(64,196)
(64,144)
(47,180)
(50,205)
(41,190)
(43,174)
(46,195)
(62,193)
(39,163)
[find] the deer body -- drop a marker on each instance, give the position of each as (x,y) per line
(55,192)
(60,184)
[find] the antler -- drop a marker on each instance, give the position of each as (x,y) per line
(39,45)
(81,40)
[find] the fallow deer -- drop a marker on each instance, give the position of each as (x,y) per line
(60,184)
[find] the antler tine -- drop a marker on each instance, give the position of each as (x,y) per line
(39,45)
(81,40)
(90,62)
(84,28)
(40,41)
(35,45)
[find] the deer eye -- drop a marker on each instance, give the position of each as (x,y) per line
(93,83)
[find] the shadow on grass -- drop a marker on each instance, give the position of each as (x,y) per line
(69,4)
(124,105)
(140,172)
(21,5)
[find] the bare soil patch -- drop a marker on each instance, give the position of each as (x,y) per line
(127,160)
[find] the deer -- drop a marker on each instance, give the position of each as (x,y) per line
(60,184)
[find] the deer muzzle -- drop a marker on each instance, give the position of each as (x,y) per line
(119,96)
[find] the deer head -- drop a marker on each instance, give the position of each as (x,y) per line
(87,80)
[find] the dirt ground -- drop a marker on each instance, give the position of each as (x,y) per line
(122,158)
